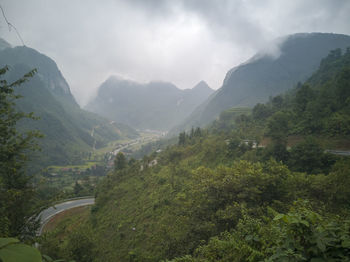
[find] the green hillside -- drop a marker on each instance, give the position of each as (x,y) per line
(67,129)
(218,196)
(320,106)
(265,75)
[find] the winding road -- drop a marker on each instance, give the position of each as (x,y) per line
(50,212)
(338,152)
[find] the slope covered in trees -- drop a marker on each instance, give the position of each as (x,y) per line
(66,127)
(16,191)
(266,75)
(217,196)
(320,106)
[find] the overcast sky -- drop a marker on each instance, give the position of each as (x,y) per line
(181,41)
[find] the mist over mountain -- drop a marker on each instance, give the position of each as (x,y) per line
(66,127)
(266,75)
(155,105)
(4,44)
(178,131)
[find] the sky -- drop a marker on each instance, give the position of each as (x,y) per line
(178,41)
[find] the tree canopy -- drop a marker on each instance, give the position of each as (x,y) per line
(16,191)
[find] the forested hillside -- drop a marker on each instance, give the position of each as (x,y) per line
(320,106)
(67,129)
(220,196)
(268,74)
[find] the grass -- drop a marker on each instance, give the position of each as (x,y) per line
(88,164)
(239,110)
(111,146)
(68,220)
(144,139)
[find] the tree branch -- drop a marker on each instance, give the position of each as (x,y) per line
(11,25)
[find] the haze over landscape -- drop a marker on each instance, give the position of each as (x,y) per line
(181,42)
(178,131)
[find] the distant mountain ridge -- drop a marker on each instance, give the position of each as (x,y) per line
(47,70)
(67,128)
(155,105)
(263,75)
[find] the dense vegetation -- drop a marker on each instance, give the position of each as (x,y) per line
(16,191)
(69,131)
(218,196)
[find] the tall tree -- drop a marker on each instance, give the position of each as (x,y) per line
(278,127)
(182,138)
(16,191)
(120,162)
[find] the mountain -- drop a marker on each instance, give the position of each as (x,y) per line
(155,105)
(266,75)
(215,196)
(67,128)
(48,71)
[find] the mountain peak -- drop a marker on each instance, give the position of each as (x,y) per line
(156,105)
(202,85)
(119,78)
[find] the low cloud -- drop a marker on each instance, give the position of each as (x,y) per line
(181,41)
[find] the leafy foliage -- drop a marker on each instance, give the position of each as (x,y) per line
(171,209)
(120,162)
(299,235)
(11,250)
(16,191)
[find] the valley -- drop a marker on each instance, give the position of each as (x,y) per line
(65,181)
(214,184)
(174,131)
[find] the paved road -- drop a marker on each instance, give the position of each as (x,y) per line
(339,152)
(48,213)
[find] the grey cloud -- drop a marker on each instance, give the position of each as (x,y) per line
(254,22)
(182,41)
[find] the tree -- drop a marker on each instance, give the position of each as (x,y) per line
(77,188)
(16,191)
(343,85)
(308,156)
(198,132)
(80,247)
(120,162)
(261,111)
(278,126)
(303,96)
(299,235)
(277,102)
(182,138)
